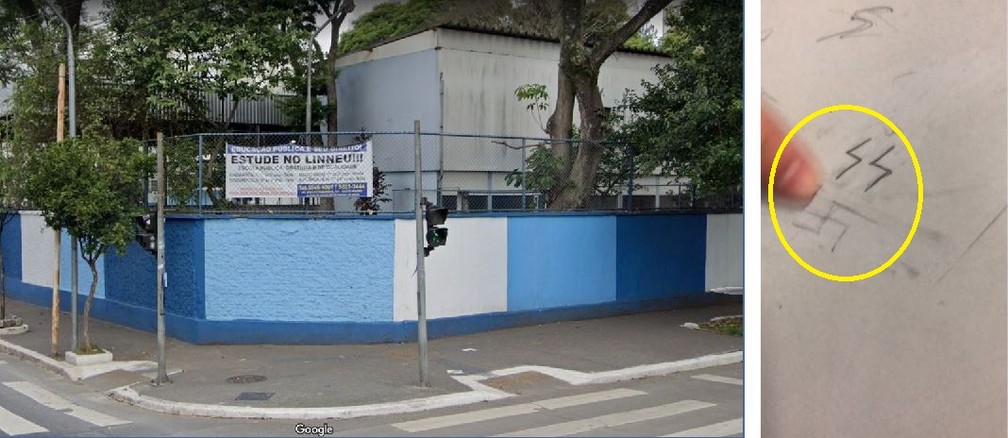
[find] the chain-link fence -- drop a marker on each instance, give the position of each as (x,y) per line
(235,173)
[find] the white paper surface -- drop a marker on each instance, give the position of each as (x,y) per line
(919,349)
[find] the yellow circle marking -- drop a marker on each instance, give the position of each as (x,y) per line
(917,214)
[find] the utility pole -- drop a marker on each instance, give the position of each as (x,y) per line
(54,328)
(73,133)
(162,375)
(421,278)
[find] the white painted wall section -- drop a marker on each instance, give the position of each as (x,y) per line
(724,252)
(467,276)
(37,256)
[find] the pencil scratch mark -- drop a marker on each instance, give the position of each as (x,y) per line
(903,75)
(851,153)
(975,240)
(865,22)
(887,170)
(838,239)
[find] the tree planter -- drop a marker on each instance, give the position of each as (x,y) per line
(88,359)
(14,330)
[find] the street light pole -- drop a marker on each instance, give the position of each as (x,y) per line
(71,70)
(311,54)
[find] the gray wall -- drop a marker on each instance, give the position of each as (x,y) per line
(388,87)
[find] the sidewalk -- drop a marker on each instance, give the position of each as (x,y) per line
(341,381)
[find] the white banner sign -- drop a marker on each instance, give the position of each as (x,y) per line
(295,171)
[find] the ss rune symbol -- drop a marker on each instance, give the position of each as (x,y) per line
(874,163)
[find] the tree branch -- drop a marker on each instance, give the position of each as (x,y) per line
(609,45)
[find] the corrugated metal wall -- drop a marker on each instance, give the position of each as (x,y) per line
(264,110)
(457,81)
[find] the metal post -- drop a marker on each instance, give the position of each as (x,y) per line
(74,242)
(162,375)
(199,175)
(421,278)
(523,174)
(307,120)
(630,180)
(70,65)
(490,191)
(54,333)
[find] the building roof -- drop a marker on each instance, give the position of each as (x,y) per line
(501,30)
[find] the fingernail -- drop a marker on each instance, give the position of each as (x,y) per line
(799,181)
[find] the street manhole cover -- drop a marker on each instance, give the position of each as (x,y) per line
(248,378)
(254,396)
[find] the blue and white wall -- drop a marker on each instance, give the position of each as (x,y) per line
(29,256)
(303,280)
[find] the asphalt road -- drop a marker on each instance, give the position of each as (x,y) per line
(705,402)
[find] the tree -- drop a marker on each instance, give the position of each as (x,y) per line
(337,11)
(582,51)
(90,186)
(11,200)
(391,20)
(589,32)
(172,56)
(689,123)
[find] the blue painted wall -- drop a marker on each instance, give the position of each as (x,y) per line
(561,261)
(131,277)
(83,270)
(312,281)
(11,241)
(186,273)
(299,270)
(660,256)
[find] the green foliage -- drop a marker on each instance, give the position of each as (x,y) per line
(90,186)
(33,102)
(689,123)
(170,55)
(542,172)
(181,170)
(390,20)
(536,94)
(545,172)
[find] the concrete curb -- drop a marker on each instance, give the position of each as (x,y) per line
(75,373)
(479,393)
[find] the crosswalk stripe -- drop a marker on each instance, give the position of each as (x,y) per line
(591,397)
(513,410)
(719,379)
(3,362)
(724,428)
(613,420)
(11,424)
(58,403)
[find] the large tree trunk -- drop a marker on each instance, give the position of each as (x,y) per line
(331,78)
(561,122)
(584,168)
(86,318)
(343,8)
(578,78)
